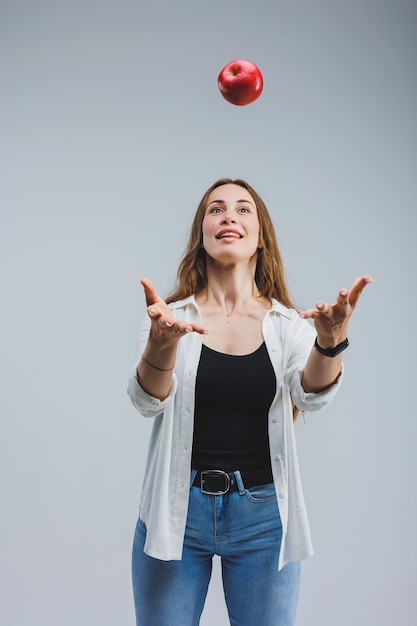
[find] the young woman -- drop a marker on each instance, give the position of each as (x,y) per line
(225,364)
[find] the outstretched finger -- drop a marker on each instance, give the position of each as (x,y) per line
(342,299)
(151,296)
(321,309)
(358,286)
(196,328)
(178,328)
(186,327)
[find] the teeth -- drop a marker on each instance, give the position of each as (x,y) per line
(230,235)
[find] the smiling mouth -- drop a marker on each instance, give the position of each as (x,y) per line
(229,233)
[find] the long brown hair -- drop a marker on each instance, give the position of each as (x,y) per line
(269,273)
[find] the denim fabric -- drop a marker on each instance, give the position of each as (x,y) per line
(244,529)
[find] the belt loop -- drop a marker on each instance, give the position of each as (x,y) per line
(239,482)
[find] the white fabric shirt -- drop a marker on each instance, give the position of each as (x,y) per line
(165,492)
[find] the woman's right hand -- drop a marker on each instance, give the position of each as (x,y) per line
(154,370)
(165,328)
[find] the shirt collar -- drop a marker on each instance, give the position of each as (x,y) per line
(277,307)
(179,304)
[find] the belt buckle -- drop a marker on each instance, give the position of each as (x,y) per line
(215,473)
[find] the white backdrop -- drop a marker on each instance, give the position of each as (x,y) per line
(112,128)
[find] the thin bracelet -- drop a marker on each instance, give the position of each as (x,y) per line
(160,369)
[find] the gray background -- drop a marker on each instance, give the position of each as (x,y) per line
(112,127)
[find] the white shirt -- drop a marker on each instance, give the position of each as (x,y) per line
(164,501)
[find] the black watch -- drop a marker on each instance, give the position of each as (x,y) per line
(332,352)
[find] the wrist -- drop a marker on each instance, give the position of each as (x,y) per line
(163,341)
(160,356)
(331,351)
(157,367)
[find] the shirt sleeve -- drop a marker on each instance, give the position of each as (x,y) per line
(300,341)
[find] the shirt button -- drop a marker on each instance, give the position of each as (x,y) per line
(274,420)
(281,496)
(274,348)
(277,457)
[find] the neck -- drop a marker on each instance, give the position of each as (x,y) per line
(230,288)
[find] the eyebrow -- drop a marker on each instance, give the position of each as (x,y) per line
(223,202)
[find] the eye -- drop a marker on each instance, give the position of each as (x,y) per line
(215,209)
(243,209)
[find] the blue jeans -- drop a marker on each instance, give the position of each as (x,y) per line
(244,529)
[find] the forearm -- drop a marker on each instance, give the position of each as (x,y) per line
(320,371)
(155,368)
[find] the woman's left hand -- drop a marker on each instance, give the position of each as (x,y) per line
(332,320)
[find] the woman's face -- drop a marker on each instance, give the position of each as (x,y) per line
(230,226)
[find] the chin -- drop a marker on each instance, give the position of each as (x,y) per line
(231,260)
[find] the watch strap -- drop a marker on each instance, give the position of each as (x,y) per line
(332,352)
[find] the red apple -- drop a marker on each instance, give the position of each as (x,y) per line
(240,82)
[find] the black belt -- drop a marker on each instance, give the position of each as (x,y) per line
(217,482)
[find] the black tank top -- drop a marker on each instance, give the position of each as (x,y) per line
(233,396)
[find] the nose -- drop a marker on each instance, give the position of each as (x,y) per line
(227,219)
